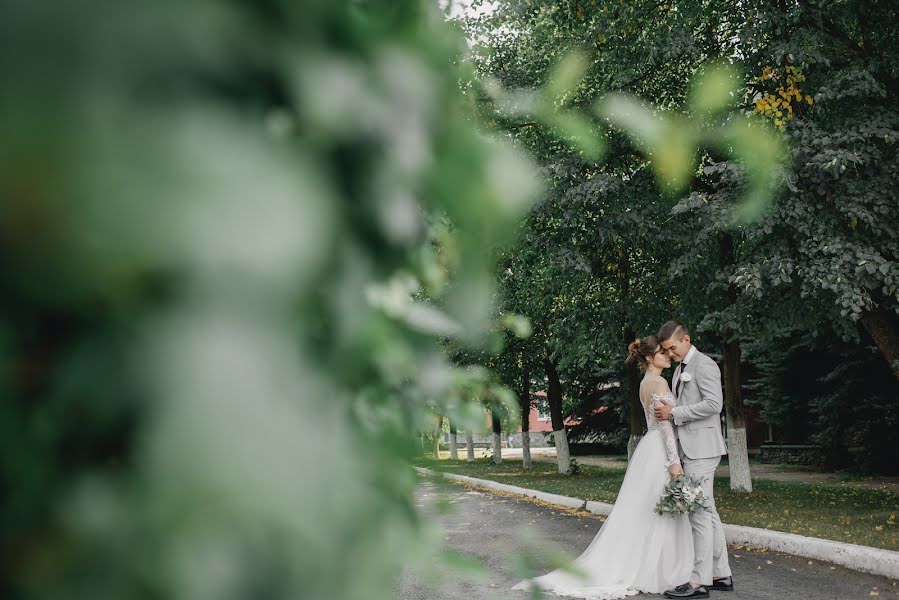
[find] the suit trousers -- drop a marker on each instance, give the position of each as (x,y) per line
(709,548)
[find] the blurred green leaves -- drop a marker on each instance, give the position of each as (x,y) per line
(669,140)
(673,141)
(232,253)
(549,105)
(763,152)
(566,76)
(714,89)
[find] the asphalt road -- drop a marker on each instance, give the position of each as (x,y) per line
(502,530)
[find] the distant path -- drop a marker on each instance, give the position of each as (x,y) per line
(759,471)
(488,527)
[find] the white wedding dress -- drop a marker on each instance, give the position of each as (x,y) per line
(636,550)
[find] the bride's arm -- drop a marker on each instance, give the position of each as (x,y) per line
(671,455)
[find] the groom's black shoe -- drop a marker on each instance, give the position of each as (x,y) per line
(688,591)
(724,584)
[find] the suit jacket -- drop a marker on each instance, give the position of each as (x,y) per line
(697,411)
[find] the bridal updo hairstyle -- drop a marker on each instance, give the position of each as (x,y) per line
(642,350)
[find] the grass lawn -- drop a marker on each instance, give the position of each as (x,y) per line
(833,512)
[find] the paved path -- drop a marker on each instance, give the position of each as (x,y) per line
(496,529)
(759,471)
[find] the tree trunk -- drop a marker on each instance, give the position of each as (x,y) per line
(437,437)
(454,451)
(883,327)
(497,438)
(526,450)
(524,400)
(469,443)
(560,436)
(737,450)
(635,409)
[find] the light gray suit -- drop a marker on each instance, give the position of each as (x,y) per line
(697,419)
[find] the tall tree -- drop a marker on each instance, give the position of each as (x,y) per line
(438,437)
(738,450)
(525,403)
(496,423)
(560,434)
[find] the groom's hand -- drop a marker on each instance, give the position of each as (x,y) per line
(663,410)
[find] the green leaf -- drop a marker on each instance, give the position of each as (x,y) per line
(578,132)
(566,75)
(713,88)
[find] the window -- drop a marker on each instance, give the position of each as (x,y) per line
(543,411)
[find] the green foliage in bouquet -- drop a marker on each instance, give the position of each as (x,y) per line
(682,495)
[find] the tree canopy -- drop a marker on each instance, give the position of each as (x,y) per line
(614,253)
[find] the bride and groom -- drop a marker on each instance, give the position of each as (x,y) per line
(637,550)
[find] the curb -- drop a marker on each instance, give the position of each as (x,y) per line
(866,559)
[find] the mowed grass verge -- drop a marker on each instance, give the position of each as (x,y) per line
(829,511)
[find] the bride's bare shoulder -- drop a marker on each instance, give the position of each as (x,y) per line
(649,380)
(656,383)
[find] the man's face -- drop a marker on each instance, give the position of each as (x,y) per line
(677,349)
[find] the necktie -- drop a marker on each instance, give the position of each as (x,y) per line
(680,378)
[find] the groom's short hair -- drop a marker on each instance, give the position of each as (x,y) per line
(672,329)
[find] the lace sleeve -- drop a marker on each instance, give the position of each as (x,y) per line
(671,456)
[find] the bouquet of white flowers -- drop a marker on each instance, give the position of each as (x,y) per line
(681,495)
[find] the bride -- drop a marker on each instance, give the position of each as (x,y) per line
(636,550)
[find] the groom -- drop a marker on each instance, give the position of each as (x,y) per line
(697,415)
